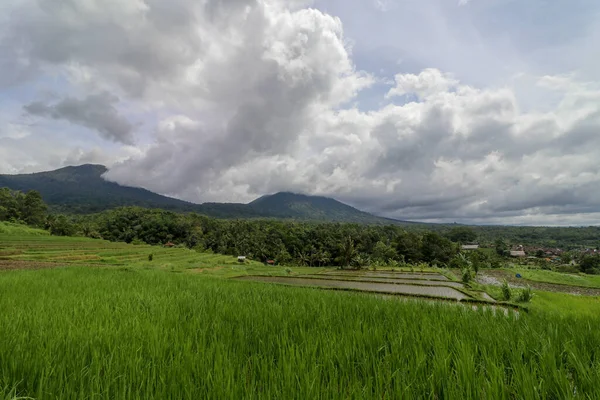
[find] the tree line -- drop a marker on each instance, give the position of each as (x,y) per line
(284,242)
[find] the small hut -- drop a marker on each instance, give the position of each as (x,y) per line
(241,259)
(169,244)
(517,253)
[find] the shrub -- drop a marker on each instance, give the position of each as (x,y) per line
(590,264)
(150,257)
(466,275)
(526,295)
(506,294)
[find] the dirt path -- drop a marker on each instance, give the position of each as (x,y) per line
(495,277)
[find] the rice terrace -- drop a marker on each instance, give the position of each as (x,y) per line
(87,318)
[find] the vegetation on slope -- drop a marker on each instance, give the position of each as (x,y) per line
(114,334)
(82,190)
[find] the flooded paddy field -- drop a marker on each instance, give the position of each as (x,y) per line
(396,280)
(387,274)
(379,287)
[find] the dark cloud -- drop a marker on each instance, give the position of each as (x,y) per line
(96,112)
(250,97)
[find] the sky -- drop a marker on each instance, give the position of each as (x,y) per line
(469,111)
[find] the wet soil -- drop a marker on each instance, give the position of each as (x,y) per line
(398,280)
(387,274)
(392,288)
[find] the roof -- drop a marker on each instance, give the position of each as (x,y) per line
(470,246)
(517,253)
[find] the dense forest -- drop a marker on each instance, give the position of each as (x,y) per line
(294,242)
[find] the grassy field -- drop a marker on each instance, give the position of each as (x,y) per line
(121,327)
(25,248)
(539,275)
(74,333)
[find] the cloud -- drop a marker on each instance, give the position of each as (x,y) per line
(247,97)
(383,5)
(427,83)
(96,112)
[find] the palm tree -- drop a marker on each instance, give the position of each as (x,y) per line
(348,251)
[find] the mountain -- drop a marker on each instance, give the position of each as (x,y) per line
(82,190)
(299,206)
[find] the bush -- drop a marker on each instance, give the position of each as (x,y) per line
(526,295)
(466,275)
(506,293)
(570,269)
(590,264)
(150,257)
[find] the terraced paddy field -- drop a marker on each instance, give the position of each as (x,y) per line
(101,321)
(399,279)
(378,287)
(404,275)
(42,251)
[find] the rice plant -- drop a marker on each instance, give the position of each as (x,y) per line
(105,333)
(506,292)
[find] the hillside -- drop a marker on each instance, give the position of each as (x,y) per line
(82,190)
(298,206)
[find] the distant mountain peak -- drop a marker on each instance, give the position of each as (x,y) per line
(81,189)
(319,208)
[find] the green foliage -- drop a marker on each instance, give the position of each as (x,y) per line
(26,207)
(17,230)
(590,264)
(347,252)
(466,274)
(460,261)
(152,334)
(574,279)
(150,257)
(60,225)
(506,292)
(462,234)
(437,248)
(384,252)
(502,248)
(408,246)
(300,243)
(525,295)
(82,190)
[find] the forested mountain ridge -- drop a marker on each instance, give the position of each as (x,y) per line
(82,190)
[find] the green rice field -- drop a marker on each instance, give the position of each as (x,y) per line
(88,319)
